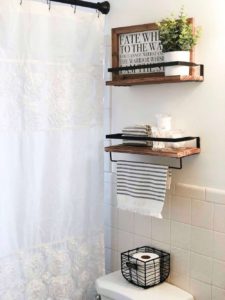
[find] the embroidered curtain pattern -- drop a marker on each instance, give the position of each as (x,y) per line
(51,174)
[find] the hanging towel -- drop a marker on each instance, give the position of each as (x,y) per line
(137,131)
(141,187)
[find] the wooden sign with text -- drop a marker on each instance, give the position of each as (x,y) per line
(140,45)
(136,45)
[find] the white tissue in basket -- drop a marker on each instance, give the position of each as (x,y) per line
(152,261)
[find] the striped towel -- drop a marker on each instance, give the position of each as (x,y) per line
(137,131)
(141,187)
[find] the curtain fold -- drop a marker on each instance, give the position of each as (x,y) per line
(51,175)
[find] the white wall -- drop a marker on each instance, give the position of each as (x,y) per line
(193,224)
(197,108)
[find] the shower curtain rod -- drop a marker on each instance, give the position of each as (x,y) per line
(103,7)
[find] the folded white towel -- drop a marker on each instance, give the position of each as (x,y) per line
(137,131)
(141,187)
(135,143)
(138,127)
(134,132)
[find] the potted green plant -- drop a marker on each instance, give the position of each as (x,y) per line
(177,38)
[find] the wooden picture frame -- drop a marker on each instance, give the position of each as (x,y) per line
(139,37)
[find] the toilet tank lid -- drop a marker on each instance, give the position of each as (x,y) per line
(114,286)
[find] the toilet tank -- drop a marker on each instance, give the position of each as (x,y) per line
(114,287)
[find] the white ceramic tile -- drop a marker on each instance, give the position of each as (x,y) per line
(114,216)
(107,215)
(171,192)
(176,237)
(126,220)
(107,163)
(140,241)
(201,241)
(180,280)
(219,246)
(200,290)
(181,209)
(201,268)
(114,195)
(217,293)
(107,40)
(161,246)
(108,259)
(115,261)
(107,123)
(142,225)
(106,144)
(108,177)
(110,215)
(219,218)
(107,101)
(125,241)
(215,195)
(180,235)
(109,193)
(107,236)
(180,260)
(108,63)
(111,238)
(107,183)
(219,274)
(161,230)
(202,214)
(192,191)
(166,211)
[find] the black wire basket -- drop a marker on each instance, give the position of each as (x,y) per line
(152,271)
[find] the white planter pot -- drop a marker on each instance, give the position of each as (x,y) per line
(177,56)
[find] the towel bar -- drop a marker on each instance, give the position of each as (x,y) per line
(179,167)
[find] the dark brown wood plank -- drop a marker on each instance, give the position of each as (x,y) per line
(143,150)
(155,80)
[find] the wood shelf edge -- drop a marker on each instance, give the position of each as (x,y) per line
(154,80)
(144,150)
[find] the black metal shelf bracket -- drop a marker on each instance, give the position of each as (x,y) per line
(140,138)
(120,136)
(158,65)
(179,167)
(103,7)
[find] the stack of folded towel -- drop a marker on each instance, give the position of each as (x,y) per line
(137,131)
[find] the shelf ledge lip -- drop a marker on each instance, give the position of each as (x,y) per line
(155,80)
(146,150)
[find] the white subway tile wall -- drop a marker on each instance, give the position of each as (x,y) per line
(192,230)
(200,290)
(218,294)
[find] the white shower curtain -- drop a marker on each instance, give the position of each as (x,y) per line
(51,160)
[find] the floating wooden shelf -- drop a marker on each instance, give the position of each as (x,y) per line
(155,80)
(144,150)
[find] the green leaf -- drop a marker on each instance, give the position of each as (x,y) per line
(177,34)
